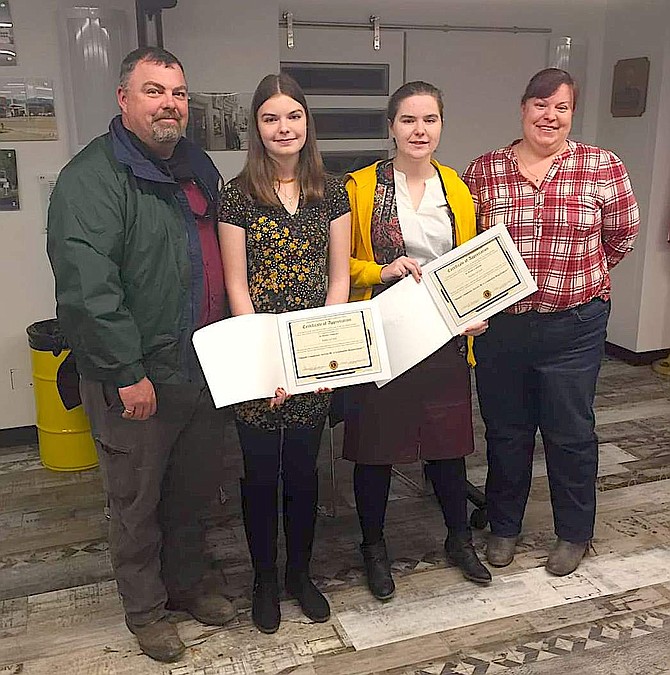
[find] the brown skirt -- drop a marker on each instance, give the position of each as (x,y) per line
(426,413)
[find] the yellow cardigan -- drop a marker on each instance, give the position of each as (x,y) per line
(364,271)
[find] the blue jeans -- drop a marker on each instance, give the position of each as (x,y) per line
(540,371)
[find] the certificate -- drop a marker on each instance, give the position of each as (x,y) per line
(478,279)
(332,347)
(247,357)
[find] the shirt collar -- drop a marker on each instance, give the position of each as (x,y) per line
(569,150)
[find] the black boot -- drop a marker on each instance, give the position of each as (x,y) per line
(378,570)
(259,510)
(459,549)
(265,611)
(299,502)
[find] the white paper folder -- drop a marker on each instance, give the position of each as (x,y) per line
(248,357)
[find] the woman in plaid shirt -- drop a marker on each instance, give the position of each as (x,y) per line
(572,213)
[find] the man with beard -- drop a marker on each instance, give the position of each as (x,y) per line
(133,245)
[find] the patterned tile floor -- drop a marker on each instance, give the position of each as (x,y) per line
(53,537)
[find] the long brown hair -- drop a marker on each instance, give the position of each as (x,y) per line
(259,174)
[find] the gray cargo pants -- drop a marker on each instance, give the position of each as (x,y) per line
(159,476)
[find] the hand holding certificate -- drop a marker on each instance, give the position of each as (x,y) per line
(469,284)
(478,279)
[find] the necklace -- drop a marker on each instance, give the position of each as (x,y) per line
(537,178)
(534,176)
(284,182)
(290,199)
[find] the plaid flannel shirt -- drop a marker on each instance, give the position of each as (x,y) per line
(570,230)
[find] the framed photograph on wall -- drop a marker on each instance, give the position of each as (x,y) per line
(219,121)
(27,111)
(9,181)
(8,50)
(629,87)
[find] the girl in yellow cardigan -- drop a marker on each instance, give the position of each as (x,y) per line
(406,212)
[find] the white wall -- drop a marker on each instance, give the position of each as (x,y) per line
(25,275)
(224,47)
(641,299)
(482,77)
(482,74)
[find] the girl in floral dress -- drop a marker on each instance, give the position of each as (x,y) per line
(285,237)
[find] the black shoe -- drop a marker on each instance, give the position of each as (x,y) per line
(461,552)
(311,600)
(265,611)
(378,570)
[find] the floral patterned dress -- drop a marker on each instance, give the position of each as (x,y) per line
(287,270)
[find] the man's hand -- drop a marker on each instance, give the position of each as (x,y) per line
(139,400)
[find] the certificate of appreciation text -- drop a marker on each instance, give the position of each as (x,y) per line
(478,279)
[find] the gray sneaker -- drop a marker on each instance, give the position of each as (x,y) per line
(500,550)
(565,557)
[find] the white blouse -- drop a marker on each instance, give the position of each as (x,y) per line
(427,231)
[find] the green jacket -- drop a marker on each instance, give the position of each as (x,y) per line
(118,245)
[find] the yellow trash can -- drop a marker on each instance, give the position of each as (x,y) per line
(64,436)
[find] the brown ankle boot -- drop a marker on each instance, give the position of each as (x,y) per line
(500,550)
(209,608)
(565,557)
(159,640)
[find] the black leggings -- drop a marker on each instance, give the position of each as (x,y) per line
(371,489)
(265,455)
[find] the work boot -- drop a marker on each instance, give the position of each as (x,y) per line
(260,515)
(159,640)
(460,551)
(565,557)
(208,608)
(500,550)
(378,570)
(299,514)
